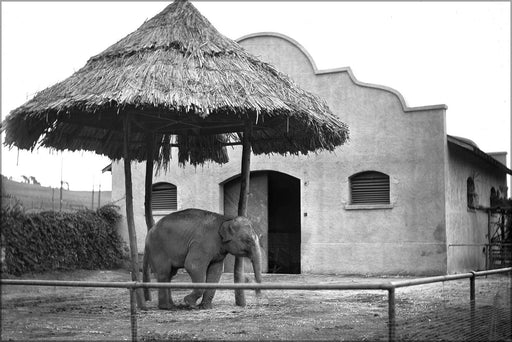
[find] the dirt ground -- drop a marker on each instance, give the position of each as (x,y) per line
(427,312)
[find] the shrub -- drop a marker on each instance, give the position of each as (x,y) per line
(49,240)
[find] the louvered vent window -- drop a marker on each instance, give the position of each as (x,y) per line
(164,197)
(472,196)
(369,188)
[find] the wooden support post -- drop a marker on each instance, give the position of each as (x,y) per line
(148,209)
(134,255)
(242,206)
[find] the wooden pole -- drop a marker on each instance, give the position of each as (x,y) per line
(92,198)
(246,170)
(148,209)
(61,182)
(60,198)
(134,255)
(242,206)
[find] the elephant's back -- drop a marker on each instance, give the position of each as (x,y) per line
(193,215)
(185,223)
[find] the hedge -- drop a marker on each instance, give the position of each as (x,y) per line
(49,240)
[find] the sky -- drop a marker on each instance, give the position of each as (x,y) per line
(453,53)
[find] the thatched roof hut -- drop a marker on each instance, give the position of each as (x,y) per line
(179,78)
(175,81)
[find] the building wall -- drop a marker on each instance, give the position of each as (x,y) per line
(408,144)
(467,228)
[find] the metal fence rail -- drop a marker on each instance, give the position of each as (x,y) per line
(389,286)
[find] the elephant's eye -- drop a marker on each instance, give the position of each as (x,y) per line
(247,240)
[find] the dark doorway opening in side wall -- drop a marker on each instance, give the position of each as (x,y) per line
(284,235)
(274,209)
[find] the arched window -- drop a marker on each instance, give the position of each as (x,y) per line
(470,185)
(494,197)
(164,197)
(370,187)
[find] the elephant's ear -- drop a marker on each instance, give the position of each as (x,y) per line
(226,231)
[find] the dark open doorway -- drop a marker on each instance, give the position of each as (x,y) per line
(274,209)
(283,223)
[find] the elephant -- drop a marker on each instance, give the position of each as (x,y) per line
(198,241)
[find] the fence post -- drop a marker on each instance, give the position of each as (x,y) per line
(391,315)
(133,314)
(472,303)
(510,295)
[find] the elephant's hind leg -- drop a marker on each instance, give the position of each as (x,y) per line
(213,276)
(164,295)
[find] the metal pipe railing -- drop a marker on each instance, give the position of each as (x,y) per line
(262,286)
(429,280)
(204,286)
(437,279)
(389,286)
(68,283)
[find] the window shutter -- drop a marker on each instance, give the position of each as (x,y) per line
(164,197)
(369,188)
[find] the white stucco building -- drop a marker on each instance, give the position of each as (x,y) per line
(402,197)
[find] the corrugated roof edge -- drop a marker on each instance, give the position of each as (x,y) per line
(473,148)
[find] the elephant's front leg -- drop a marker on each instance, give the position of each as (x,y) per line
(196,268)
(213,276)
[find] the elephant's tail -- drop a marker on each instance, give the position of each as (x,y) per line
(145,273)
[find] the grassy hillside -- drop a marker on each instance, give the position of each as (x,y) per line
(35,197)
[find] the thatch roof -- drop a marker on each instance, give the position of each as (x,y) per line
(175,75)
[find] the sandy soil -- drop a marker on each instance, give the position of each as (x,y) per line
(427,312)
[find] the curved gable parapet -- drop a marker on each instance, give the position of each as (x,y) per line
(284,37)
(347,70)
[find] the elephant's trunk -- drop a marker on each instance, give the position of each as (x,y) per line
(256,265)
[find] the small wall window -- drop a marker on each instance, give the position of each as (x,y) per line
(472,196)
(494,197)
(369,187)
(164,197)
